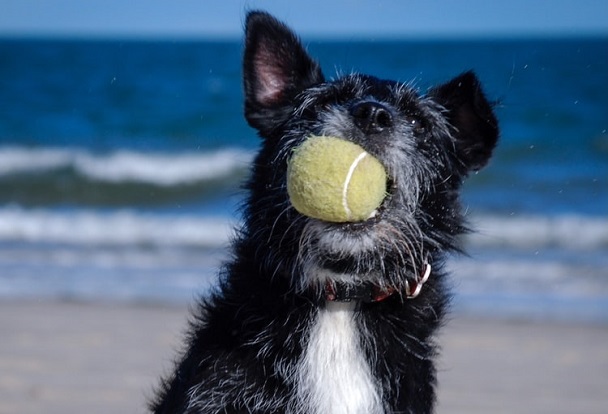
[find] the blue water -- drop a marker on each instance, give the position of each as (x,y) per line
(120,166)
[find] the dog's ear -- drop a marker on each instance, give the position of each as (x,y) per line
(276,67)
(472,116)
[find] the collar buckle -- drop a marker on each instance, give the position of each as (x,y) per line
(411,294)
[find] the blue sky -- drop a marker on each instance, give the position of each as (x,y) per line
(341,18)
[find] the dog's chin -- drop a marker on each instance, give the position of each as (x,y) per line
(339,241)
(345,240)
(355,249)
(366,251)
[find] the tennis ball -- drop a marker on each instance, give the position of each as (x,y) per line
(335,180)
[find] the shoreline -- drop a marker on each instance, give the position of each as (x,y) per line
(99,357)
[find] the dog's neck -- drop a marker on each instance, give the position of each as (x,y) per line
(368,292)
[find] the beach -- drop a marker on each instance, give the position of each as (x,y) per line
(121,168)
(100,357)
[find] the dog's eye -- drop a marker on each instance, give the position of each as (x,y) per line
(314,108)
(417,124)
(324,104)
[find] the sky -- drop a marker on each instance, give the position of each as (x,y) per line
(314,18)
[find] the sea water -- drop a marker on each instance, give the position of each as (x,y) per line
(121,164)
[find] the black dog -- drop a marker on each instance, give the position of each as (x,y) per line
(318,317)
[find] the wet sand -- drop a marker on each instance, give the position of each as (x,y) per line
(62,357)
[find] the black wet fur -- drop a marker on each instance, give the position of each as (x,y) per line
(246,338)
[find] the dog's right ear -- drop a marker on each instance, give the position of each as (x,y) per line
(472,117)
(276,67)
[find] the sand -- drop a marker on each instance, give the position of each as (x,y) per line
(61,357)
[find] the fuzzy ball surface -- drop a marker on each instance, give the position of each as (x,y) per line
(335,180)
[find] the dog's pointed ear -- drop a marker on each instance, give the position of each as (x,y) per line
(276,67)
(471,116)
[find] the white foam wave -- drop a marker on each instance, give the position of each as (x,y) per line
(528,231)
(127,166)
(124,227)
(527,274)
(134,227)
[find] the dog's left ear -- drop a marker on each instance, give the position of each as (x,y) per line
(276,67)
(471,115)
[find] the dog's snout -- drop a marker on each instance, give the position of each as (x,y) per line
(371,117)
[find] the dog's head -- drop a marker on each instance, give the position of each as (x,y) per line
(427,143)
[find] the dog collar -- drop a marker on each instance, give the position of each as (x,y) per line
(368,292)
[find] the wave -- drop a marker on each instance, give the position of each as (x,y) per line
(535,231)
(120,227)
(161,169)
(130,226)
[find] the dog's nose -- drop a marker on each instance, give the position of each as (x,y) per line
(371,117)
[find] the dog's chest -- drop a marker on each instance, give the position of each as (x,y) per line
(334,376)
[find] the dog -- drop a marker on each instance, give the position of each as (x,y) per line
(314,317)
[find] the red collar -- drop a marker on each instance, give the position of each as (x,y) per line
(369,292)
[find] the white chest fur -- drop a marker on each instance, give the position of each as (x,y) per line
(334,376)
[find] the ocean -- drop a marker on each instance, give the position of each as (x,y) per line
(121,164)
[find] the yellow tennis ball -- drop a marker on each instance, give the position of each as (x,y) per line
(335,180)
